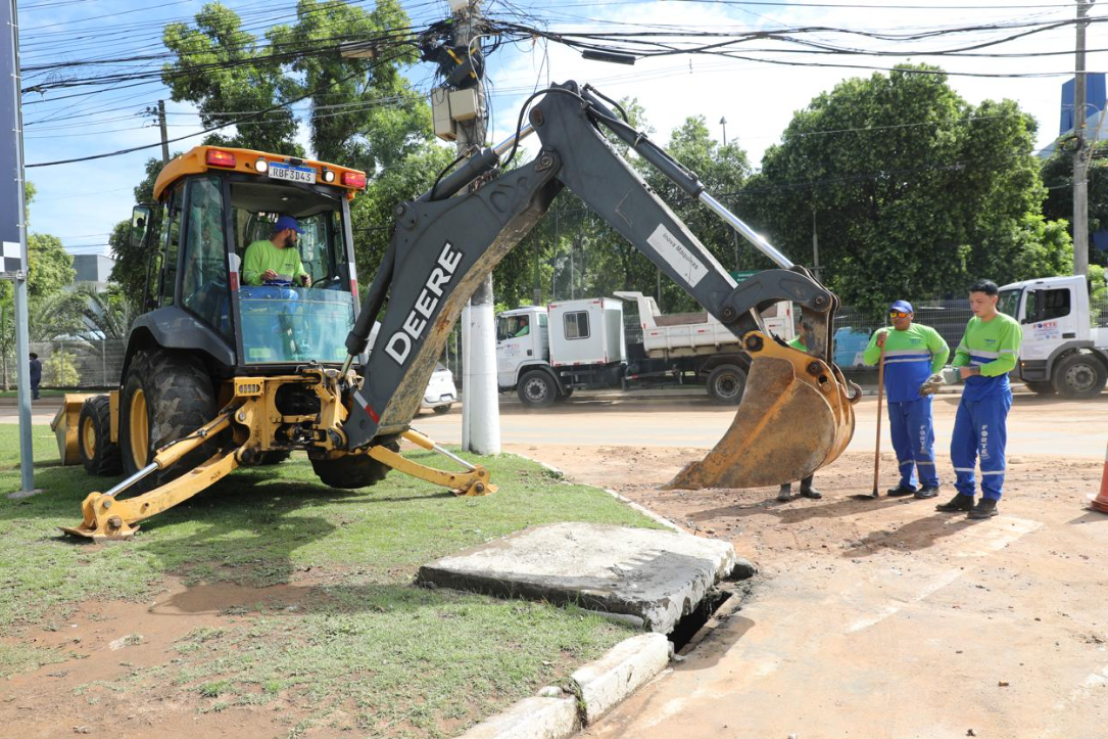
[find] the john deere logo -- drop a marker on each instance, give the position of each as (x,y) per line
(400,343)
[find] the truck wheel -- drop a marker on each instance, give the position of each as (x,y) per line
(99,454)
(1079,376)
(536,389)
(726,384)
(166,396)
(1040,388)
(353,471)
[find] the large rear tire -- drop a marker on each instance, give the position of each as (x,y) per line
(99,454)
(166,396)
(353,471)
(1079,376)
(726,384)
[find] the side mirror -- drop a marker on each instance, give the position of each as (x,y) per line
(140,223)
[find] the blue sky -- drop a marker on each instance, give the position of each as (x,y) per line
(81,202)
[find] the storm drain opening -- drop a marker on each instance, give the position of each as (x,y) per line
(691,623)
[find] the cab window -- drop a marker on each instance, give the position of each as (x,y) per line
(204,280)
(1047,305)
(170,239)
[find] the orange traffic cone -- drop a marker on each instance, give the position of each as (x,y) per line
(1100,502)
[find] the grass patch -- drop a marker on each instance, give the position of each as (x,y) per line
(357,645)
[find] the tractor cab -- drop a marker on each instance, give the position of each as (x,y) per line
(214,203)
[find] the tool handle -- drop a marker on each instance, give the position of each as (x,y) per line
(880,399)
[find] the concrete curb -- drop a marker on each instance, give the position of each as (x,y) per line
(597,688)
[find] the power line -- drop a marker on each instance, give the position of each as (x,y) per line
(212,128)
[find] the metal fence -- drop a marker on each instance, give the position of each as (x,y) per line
(79,364)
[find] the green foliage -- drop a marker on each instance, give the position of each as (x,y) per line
(1057,174)
(51,266)
(222,93)
(129,271)
(59,370)
(915,192)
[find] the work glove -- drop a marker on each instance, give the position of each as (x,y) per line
(932,384)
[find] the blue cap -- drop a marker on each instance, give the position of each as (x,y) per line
(903,306)
(287,222)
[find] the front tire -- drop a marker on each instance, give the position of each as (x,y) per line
(166,396)
(441,410)
(536,389)
(726,384)
(1079,376)
(99,454)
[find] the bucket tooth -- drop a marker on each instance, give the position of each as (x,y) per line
(796,416)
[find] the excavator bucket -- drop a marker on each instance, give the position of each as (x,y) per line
(796,416)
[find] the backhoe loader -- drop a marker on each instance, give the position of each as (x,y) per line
(221,373)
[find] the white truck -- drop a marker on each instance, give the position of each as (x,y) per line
(1065,338)
(547,353)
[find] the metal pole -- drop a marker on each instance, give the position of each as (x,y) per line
(480,410)
(815,246)
(22,345)
(165,136)
(1081,155)
(723,122)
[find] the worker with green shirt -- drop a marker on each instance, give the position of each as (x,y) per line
(913,353)
(806,489)
(269,259)
(987,353)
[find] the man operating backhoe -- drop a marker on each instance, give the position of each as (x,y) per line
(276,258)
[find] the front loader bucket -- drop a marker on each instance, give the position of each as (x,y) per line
(796,416)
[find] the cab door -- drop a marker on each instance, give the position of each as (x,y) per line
(515,335)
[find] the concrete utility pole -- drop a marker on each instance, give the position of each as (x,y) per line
(13,230)
(1081,155)
(480,408)
(165,136)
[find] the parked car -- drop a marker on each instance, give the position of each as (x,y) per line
(441,393)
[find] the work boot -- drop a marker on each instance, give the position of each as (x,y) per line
(810,492)
(985,508)
(927,492)
(785,494)
(900,491)
(958,504)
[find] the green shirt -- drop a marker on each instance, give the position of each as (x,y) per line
(796,344)
(263,255)
(994,347)
(918,339)
(911,356)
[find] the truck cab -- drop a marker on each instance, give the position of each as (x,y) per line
(1065,338)
(522,341)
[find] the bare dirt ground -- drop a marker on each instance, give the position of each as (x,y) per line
(883,618)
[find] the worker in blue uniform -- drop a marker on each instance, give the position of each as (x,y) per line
(913,354)
(987,353)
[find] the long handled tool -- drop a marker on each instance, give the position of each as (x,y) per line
(880,401)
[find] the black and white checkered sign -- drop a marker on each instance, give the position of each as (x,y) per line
(11,260)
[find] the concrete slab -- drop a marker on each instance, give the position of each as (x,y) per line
(531,718)
(658,576)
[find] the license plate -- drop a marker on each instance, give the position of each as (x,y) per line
(292,174)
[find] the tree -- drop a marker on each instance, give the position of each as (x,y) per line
(50,269)
(1057,174)
(912,190)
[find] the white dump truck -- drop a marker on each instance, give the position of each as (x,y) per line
(1065,338)
(547,353)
